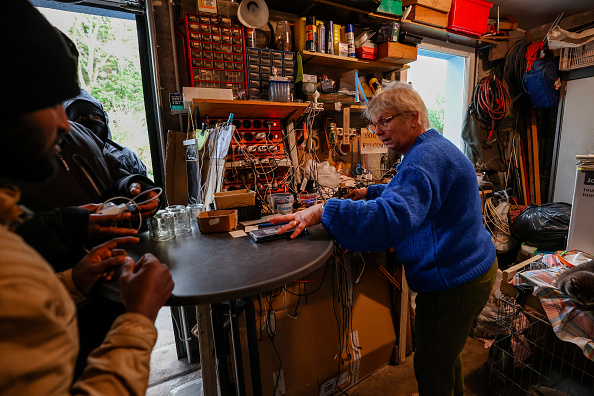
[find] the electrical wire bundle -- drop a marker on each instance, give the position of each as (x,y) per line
(515,67)
(496,223)
(491,101)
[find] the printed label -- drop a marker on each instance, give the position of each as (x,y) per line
(589,178)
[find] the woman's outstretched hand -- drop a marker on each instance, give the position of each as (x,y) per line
(304,218)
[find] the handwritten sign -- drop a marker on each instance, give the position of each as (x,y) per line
(371,144)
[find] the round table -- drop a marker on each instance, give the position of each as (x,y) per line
(217,268)
(211,268)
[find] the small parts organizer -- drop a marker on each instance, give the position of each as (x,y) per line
(260,63)
(215,47)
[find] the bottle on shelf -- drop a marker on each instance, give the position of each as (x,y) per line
(330,38)
(350,40)
(310,34)
(300,34)
(365,87)
(375,85)
(321,46)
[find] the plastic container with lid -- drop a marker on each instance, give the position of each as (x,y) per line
(279,89)
(281,203)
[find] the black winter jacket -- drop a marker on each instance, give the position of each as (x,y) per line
(86,173)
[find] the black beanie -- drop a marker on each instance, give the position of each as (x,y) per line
(80,108)
(37,70)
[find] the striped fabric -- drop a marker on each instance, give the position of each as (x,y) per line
(570,323)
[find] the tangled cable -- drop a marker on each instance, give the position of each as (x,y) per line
(491,101)
(515,67)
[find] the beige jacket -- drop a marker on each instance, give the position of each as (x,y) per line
(38,329)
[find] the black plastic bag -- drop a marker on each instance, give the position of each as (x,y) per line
(544,227)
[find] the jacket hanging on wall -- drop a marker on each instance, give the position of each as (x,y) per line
(485,150)
(542,83)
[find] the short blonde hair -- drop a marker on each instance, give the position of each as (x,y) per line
(398,97)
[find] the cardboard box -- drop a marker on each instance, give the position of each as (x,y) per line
(581,224)
(191,93)
(308,340)
(396,52)
(175,169)
(428,16)
(439,5)
(217,221)
(367,51)
(235,199)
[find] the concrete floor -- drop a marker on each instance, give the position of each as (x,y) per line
(168,373)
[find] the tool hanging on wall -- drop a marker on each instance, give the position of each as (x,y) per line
(345,146)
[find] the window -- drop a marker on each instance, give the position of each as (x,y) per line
(443,78)
(117,67)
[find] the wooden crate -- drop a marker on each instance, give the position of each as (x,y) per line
(508,289)
(439,5)
(428,16)
(396,52)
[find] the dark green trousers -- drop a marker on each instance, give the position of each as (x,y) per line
(443,322)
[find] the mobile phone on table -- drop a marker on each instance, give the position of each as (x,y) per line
(270,233)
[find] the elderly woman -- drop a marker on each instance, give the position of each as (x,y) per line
(430,213)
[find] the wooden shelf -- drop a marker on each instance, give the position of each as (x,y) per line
(329,106)
(216,108)
(343,62)
(340,13)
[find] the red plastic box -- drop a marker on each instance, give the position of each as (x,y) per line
(469,16)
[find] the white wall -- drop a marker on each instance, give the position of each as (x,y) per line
(576,135)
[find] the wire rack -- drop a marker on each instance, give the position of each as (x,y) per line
(527,358)
(574,58)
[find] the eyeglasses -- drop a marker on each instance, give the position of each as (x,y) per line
(383,122)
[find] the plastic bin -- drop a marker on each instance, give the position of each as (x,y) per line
(281,203)
(469,16)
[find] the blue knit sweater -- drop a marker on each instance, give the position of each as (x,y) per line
(430,213)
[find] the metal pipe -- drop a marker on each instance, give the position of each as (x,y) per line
(174,54)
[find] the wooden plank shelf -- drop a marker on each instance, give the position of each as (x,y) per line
(217,108)
(345,62)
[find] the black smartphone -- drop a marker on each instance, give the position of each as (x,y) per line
(270,233)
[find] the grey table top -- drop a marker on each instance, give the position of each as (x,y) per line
(210,268)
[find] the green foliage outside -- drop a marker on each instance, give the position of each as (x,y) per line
(436,113)
(109,68)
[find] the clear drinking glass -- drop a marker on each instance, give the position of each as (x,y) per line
(161,226)
(282,36)
(181,220)
(193,210)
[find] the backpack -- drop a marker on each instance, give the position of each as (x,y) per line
(542,83)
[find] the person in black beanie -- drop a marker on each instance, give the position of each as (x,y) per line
(38,324)
(86,110)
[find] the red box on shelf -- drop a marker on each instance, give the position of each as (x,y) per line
(469,16)
(366,52)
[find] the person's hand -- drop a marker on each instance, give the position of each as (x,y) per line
(304,218)
(146,286)
(149,208)
(100,262)
(101,226)
(357,194)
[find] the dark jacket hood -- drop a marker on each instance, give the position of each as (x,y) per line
(87,97)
